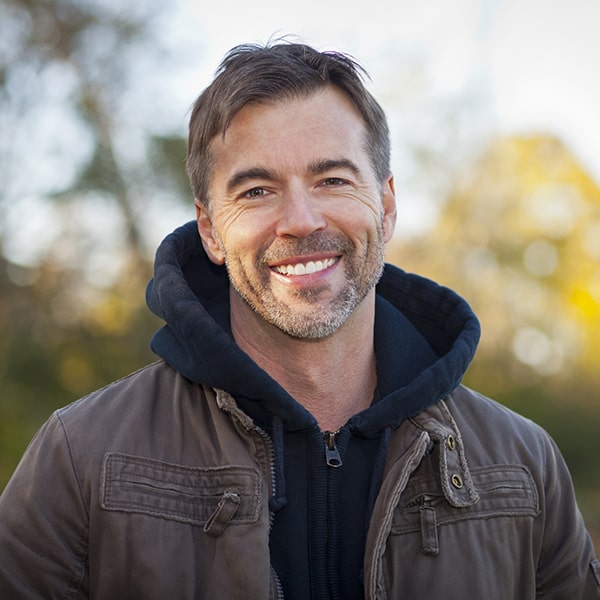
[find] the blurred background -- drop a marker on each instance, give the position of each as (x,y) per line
(493,107)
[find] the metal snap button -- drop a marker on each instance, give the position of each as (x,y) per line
(451,442)
(457,481)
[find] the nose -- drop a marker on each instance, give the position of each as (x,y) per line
(300,216)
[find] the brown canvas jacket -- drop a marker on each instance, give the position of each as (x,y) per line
(157,488)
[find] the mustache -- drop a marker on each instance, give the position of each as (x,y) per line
(315,243)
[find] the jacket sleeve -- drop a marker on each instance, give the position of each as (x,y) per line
(43,522)
(567,567)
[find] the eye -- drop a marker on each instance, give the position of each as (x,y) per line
(254,193)
(334,181)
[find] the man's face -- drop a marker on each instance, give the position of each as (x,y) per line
(296,212)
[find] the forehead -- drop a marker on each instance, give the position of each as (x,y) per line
(298,129)
(324,101)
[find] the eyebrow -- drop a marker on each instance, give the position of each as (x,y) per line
(330,164)
(316,168)
(242,177)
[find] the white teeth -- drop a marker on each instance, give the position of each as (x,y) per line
(305,268)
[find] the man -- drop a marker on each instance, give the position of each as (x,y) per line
(306,434)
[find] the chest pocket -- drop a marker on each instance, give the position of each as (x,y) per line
(504,491)
(208,497)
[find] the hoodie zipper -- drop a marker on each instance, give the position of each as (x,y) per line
(332,454)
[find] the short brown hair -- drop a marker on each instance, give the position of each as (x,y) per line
(254,74)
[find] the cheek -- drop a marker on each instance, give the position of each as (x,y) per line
(365,226)
(241,245)
(362,211)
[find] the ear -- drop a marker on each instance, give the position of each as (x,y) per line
(388,198)
(207,234)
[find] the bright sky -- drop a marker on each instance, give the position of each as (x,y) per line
(535,62)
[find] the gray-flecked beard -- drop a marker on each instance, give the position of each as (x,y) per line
(323,320)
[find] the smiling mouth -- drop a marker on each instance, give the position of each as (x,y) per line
(307,268)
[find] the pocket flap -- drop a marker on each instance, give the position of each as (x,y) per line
(504,490)
(177,492)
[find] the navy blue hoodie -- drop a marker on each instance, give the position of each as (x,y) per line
(425,338)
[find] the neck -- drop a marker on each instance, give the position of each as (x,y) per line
(333,377)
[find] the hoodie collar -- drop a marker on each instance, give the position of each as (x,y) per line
(425,338)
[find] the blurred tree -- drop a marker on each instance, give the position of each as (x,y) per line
(519,237)
(87,164)
(77,130)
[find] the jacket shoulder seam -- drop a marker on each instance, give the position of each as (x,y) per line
(78,573)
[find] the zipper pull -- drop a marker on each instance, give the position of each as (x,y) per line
(332,454)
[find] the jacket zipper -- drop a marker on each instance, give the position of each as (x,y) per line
(269,442)
(271,451)
(332,454)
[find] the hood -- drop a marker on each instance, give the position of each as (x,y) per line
(425,338)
